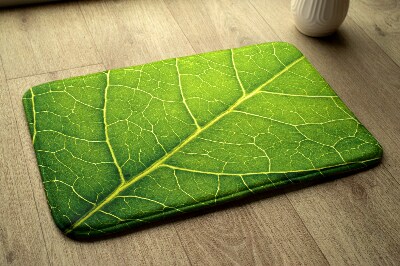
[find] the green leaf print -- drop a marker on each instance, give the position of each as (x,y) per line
(124,147)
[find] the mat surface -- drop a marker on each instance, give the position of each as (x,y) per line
(121,148)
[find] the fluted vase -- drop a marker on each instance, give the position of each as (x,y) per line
(319,18)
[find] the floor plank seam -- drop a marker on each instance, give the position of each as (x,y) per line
(389,172)
(27,170)
(372,40)
(308,231)
(262,17)
(183,246)
(177,23)
(91,36)
(56,71)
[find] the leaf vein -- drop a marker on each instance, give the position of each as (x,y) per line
(183,97)
(237,74)
(121,175)
(34,116)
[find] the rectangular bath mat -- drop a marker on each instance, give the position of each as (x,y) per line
(125,147)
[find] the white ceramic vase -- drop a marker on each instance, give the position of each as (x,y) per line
(319,18)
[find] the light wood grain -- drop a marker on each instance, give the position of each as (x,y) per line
(229,24)
(363,222)
(266,231)
(354,220)
(133,32)
(21,236)
(41,39)
(381,21)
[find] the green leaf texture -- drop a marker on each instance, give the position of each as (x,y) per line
(121,148)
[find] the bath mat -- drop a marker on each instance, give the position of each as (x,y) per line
(122,148)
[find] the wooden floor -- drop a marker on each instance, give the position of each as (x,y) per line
(353,220)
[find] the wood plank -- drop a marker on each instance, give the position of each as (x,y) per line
(354,220)
(380,20)
(266,231)
(158,245)
(133,32)
(348,230)
(44,38)
(214,25)
(251,233)
(21,238)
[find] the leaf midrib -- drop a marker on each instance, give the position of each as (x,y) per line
(159,162)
